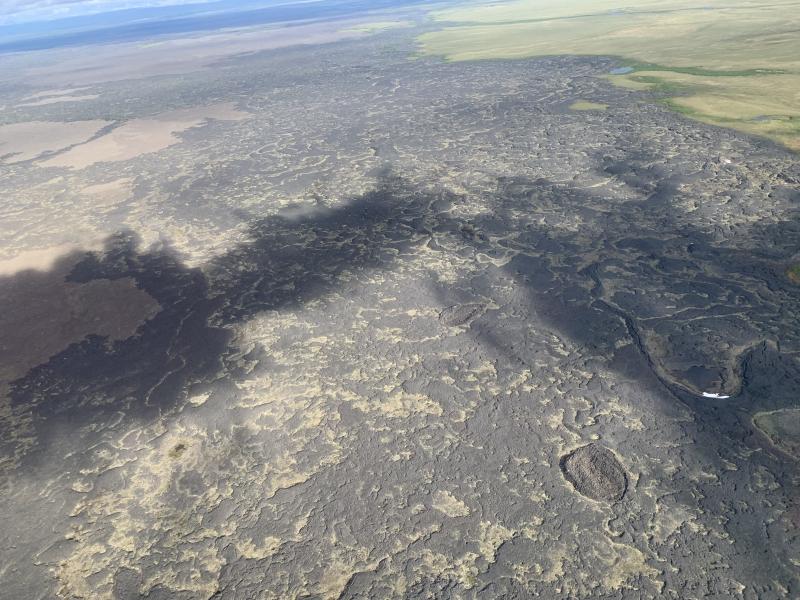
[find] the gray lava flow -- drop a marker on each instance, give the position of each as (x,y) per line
(370,327)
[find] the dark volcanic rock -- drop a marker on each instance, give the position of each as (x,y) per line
(460,314)
(595,472)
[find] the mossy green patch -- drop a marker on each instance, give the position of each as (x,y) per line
(586,105)
(640,66)
(793,273)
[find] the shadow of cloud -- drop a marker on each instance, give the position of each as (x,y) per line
(292,259)
(608,281)
(65,414)
(676,310)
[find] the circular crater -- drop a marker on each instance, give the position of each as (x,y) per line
(596,473)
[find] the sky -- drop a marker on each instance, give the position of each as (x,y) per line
(22,11)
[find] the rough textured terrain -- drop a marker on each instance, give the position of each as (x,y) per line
(595,472)
(366,323)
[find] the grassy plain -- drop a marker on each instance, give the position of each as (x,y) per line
(735,64)
(587,105)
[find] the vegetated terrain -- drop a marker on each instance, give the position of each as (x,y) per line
(587,105)
(793,273)
(735,64)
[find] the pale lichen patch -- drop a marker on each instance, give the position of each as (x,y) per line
(447,503)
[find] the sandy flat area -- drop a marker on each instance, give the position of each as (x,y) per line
(75,67)
(143,136)
(59,99)
(54,92)
(24,141)
(110,193)
(41,313)
(41,259)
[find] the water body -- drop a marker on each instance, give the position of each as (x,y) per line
(621,70)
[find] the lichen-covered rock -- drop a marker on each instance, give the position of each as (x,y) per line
(460,314)
(595,472)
